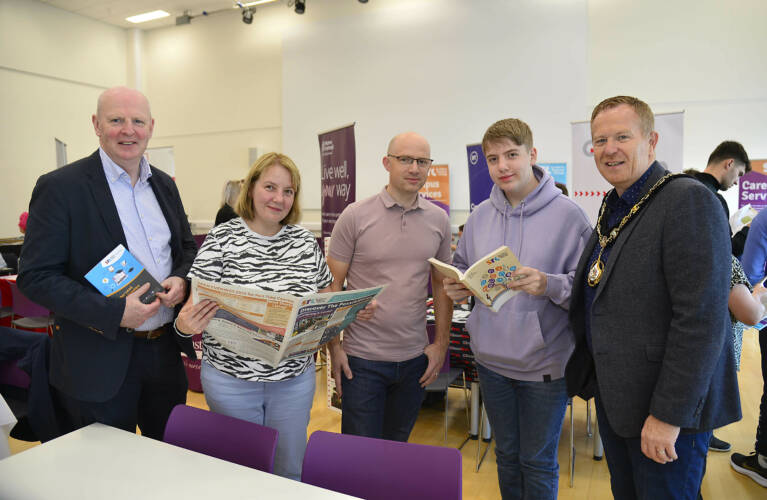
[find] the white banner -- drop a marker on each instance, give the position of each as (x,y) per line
(588,185)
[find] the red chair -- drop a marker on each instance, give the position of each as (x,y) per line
(6,302)
(29,316)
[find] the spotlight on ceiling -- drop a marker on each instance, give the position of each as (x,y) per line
(363,1)
(300,6)
(247,15)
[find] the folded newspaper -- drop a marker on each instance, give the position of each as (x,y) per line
(271,326)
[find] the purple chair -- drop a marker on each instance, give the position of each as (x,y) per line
(27,315)
(199,238)
(376,469)
(223,437)
(11,374)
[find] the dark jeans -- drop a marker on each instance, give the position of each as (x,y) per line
(526,418)
(634,476)
(761,430)
(383,398)
(154,383)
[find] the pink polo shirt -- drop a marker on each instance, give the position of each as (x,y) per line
(384,243)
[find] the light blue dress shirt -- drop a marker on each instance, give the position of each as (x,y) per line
(144,225)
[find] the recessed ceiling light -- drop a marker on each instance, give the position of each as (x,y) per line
(147,16)
(239,5)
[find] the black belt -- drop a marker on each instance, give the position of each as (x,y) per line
(150,334)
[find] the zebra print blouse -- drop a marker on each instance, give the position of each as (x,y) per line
(288,262)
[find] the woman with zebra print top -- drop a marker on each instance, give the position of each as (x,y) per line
(262,249)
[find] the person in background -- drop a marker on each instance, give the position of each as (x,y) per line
(383,364)
(112,359)
(522,349)
(746,304)
(228,201)
(726,164)
(263,248)
(651,347)
(754,260)
(457,238)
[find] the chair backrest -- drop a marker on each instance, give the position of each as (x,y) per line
(6,296)
(10,374)
(378,469)
(223,437)
(24,307)
(199,238)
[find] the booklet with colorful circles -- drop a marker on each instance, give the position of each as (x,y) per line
(488,277)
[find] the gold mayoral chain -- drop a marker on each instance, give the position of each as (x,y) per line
(598,267)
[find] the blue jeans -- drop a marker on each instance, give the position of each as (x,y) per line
(382,399)
(634,476)
(283,405)
(526,418)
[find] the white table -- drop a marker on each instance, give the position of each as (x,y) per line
(98,462)
(7,421)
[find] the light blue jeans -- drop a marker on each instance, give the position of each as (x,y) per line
(526,418)
(284,405)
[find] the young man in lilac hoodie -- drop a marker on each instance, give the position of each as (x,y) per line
(522,349)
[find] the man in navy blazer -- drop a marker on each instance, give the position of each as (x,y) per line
(114,361)
(649,313)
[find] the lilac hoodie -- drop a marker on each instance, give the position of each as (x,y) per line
(530,337)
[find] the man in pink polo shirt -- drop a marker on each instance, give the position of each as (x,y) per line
(386,239)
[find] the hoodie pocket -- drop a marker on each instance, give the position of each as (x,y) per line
(516,342)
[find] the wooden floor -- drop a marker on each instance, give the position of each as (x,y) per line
(592,480)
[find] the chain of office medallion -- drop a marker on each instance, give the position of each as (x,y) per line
(604,241)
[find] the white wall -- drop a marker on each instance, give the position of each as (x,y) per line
(445,68)
(53,65)
(706,58)
(215,88)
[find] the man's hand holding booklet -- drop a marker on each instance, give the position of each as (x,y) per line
(119,274)
(487,278)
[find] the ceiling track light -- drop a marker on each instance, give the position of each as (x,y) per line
(247,15)
(300,6)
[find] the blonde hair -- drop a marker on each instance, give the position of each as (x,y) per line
(231,192)
(646,118)
(515,130)
(245,201)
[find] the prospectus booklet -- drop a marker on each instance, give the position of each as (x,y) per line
(487,277)
(120,274)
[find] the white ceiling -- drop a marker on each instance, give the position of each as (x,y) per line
(115,11)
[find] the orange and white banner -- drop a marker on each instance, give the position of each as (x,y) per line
(437,187)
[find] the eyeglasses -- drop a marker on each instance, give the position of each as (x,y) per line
(408,160)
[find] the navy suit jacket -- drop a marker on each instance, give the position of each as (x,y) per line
(660,325)
(73,223)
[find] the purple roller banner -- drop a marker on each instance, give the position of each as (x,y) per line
(752,187)
(338,174)
(480,182)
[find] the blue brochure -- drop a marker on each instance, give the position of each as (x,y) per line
(120,274)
